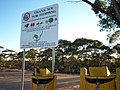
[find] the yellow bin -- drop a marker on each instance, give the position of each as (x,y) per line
(99,78)
(43,79)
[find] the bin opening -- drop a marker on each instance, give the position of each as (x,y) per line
(42,76)
(41,81)
(100,80)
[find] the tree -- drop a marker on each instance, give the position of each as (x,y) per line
(31,54)
(109,13)
(20,55)
(9,54)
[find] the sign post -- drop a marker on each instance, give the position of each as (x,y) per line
(39,29)
(23,69)
(53,60)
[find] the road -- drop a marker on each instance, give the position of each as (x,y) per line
(11,80)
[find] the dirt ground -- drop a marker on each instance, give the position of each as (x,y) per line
(11,80)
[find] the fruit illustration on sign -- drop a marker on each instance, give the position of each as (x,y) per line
(32,24)
(55,19)
(38,23)
(41,22)
(50,20)
(46,21)
(35,37)
(26,25)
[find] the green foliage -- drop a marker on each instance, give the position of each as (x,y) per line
(108,12)
(69,56)
(115,37)
(117,48)
(31,54)
(99,3)
(106,22)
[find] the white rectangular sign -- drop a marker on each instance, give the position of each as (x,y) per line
(39,28)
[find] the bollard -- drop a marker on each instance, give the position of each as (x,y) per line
(99,78)
(43,79)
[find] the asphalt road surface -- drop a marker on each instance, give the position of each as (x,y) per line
(11,80)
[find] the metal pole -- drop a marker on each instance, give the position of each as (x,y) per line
(23,69)
(53,59)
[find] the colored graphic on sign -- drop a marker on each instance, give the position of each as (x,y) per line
(50,20)
(39,23)
(39,28)
(26,25)
(37,37)
(26,16)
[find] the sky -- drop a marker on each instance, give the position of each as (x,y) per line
(76,20)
